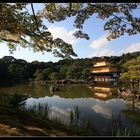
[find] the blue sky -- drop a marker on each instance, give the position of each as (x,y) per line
(96,46)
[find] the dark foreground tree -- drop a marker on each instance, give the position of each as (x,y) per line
(19,26)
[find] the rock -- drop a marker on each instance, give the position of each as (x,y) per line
(53,88)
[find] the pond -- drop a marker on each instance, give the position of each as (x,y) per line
(99,104)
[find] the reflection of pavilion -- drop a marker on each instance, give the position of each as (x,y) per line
(104,91)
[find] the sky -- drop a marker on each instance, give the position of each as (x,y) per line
(97,45)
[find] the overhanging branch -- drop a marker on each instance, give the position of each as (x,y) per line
(35,18)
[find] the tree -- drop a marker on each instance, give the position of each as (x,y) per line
(17,72)
(73,72)
(123,22)
(18,26)
(86,73)
(39,75)
(55,76)
(3,72)
(132,73)
(47,72)
(8,60)
(128,57)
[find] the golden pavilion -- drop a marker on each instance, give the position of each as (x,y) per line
(103,70)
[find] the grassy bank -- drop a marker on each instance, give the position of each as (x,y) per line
(20,122)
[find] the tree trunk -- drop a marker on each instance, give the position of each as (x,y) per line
(132,85)
(133,105)
(139,84)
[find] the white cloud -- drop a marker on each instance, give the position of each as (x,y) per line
(106,52)
(103,109)
(103,52)
(57,110)
(63,33)
(100,47)
(122,51)
(102,41)
(3,50)
(133,48)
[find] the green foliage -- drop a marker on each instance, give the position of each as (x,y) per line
(128,57)
(12,69)
(16,70)
(119,15)
(17,100)
(118,128)
(39,75)
(85,73)
(55,76)
(122,132)
(132,71)
(19,26)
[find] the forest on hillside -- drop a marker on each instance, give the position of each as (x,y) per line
(17,70)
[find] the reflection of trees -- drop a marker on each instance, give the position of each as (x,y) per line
(69,91)
(133,114)
(37,90)
(74,91)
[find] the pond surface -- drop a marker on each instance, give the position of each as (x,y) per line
(95,103)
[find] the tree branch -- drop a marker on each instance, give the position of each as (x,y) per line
(35,18)
(70,6)
(112,14)
(9,40)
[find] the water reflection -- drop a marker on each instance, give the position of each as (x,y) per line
(96,111)
(104,91)
(132,114)
(95,103)
(103,109)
